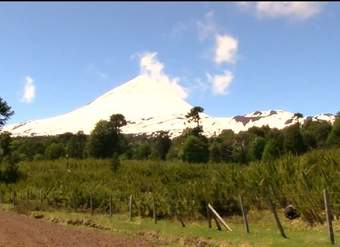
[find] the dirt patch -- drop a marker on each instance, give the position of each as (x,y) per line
(19,230)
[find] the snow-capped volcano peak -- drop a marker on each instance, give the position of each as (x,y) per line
(152,103)
(143,96)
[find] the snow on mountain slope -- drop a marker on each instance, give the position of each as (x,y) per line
(139,99)
(151,105)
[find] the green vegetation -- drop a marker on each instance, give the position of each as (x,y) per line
(107,140)
(182,175)
(68,183)
(5,112)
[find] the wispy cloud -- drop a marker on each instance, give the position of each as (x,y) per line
(291,10)
(207,27)
(225,49)
(28,94)
(221,83)
(152,68)
(224,52)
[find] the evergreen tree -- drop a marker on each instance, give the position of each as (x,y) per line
(293,140)
(193,115)
(162,144)
(226,140)
(315,133)
(5,112)
(5,142)
(257,147)
(106,138)
(298,115)
(334,136)
(195,150)
(76,145)
(118,121)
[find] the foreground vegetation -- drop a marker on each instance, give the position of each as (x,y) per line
(182,188)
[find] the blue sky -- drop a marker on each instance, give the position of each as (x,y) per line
(231,58)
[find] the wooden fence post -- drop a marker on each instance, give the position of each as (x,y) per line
(277,220)
(27,196)
(110,206)
(244,215)
(14,194)
(91,203)
(217,223)
(154,211)
(40,197)
(328,216)
(209,216)
(130,208)
(178,216)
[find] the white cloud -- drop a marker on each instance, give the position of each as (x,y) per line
(207,27)
(29,90)
(221,83)
(293,10)
(151,67)
(226,49)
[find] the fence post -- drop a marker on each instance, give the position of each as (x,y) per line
(328,216)
(154,211)
(40,197)
(209,216)
(130,208)
(277,220)
(110,206)
(217,223)
(14,197)
(91,203)
(244,215)
(27,196)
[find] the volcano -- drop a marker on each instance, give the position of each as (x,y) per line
(150,105)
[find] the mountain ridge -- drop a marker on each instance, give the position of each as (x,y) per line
(150,105)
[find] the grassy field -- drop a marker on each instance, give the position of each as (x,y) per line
(170,232)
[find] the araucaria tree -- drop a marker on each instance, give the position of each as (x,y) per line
(105,139)
(5,112)
(193,115)
(195,148)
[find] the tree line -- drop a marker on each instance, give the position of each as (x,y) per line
(107,141)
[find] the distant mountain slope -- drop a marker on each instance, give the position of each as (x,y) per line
(149,105)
